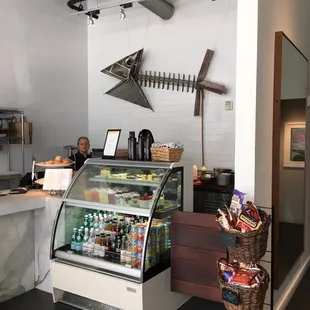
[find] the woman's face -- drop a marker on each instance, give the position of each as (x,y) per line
(83,146)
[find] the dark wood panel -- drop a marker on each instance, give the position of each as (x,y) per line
(196,237)
(194,219)
(197,255)
(192,289)
(195,272)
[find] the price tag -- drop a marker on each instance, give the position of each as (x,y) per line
(230,296)
(228,239)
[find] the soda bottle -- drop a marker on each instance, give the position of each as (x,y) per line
(73,239)
(85,241)
(123,250)
(85,221)
(102,246)
(79,241)
(96,222)
(97,245)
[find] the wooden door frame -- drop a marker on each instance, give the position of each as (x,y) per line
(276,151)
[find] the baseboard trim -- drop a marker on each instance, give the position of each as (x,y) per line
(292,286)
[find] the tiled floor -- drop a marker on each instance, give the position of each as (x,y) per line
(38,300)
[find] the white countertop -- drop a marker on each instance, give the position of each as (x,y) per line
(34,199)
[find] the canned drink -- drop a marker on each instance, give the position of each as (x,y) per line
(139,247)
(140,230)
(133,259)
(133,233)
(134,248)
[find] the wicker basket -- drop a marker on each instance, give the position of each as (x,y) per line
(250,247)
(165,154)
(250,298)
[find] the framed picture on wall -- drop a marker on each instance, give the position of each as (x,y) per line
(294,144)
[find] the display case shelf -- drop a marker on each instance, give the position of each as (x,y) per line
(108,207)
(124,181)
(106,264)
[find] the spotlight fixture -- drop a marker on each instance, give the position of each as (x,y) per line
(123,14)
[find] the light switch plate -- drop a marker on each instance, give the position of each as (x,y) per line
(308,101)
(229,105)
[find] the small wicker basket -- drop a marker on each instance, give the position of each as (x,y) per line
(250,298)
(250,247)
(165,154)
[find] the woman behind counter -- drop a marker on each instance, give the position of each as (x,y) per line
(82,154)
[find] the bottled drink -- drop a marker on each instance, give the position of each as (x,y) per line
(102,246)
(141,142)
(101,225)
(97,245)
(79,241)
(128,252)
(132,146)
(96,222)
(90,221)
(73,239)
(107,243)
(118,245)
(85,241)
(113,244)
(85,221)
(82,230)
(123,250)
(148,144)
(91,242)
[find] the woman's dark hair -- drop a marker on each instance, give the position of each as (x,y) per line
(80,138)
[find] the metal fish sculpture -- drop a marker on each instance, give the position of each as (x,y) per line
(127,70)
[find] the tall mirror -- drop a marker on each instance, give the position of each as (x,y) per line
(289,139)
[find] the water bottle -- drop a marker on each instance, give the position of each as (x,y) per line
(73,239)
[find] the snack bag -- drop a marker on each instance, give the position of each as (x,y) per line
(247,223)
(237,201)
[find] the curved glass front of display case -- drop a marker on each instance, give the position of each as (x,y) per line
(115,218)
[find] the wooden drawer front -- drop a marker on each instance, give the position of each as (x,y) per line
(196,270)
(193,289)
(196,237)
(196,248)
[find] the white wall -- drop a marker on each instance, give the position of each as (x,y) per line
(254,94)
(44,71)
(178,46)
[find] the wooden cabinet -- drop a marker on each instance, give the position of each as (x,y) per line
(196,248)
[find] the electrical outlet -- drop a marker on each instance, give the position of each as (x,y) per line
(229,105)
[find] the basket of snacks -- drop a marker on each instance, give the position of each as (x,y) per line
(243,286)
(167,151)
(244,229)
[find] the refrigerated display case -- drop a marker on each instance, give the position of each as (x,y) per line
(110,246)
